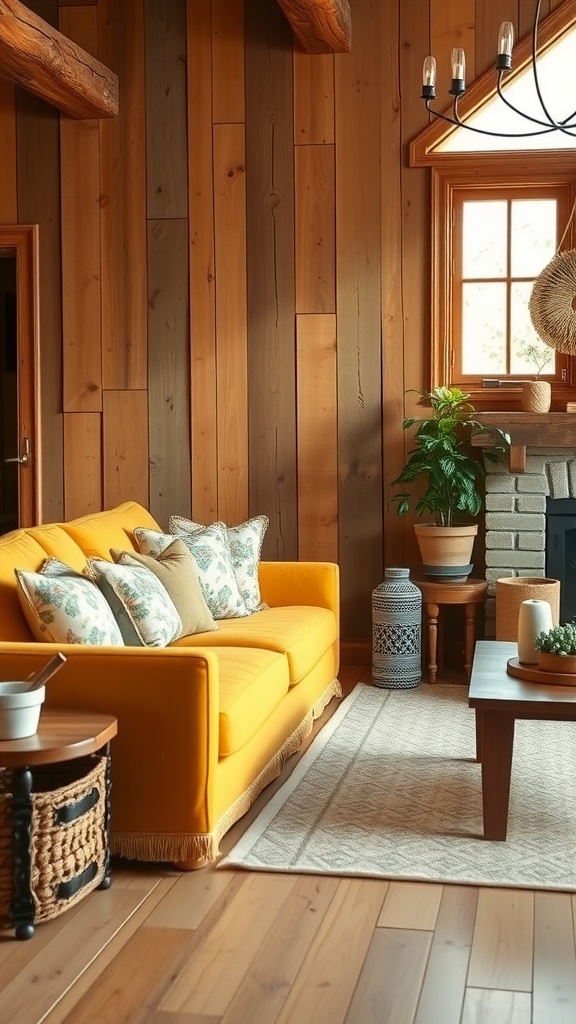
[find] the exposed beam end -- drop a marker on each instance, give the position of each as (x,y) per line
(321,26)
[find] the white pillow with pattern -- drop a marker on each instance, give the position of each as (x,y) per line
(62,606)
(245,543)
(210,549)
(146,614)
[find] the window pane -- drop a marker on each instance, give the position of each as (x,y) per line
(533,235)
(484,239)
(484,329)
(528,353)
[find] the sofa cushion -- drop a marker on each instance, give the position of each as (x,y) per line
(99,532)
(62,606)
(245,542)
(176,570)
(18,550)
(58,544)
(252,684)
(302,632)
(211,553)
(143,608)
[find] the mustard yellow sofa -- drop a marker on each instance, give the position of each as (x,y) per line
(204,724)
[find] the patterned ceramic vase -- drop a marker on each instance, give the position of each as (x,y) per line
(396,631)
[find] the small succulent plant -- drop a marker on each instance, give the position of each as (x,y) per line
(558,640)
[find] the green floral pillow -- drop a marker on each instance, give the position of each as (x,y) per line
(245,543)
(62,606)
(211,552)
(146,614)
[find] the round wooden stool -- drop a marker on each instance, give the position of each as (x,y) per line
(470,593)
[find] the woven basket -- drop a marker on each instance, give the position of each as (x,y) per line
(68,858)
(510,593)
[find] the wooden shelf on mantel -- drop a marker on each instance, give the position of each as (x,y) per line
(528,430)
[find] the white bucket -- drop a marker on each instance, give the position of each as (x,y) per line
(19,710)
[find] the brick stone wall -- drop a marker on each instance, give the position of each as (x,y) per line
(516,516)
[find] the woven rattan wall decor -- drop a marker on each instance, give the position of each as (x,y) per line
(553,303)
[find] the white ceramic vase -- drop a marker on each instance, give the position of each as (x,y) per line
(534,617)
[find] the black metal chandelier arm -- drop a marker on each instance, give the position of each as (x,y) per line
(551,126)
(458,123)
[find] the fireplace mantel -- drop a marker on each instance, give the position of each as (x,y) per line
(528,430)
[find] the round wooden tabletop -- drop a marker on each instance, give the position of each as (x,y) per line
(62,736)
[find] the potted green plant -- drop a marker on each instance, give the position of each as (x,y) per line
(536,393)
(556,649)
(452,470)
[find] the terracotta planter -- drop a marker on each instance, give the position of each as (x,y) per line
(446,551)
(561,664)
(536,396)
(512,591)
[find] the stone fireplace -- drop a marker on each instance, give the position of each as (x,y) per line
(538,479)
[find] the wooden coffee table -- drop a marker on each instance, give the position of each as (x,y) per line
(499,699)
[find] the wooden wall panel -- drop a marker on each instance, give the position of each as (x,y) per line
(489,16)
(81,285)
(315,229)
(8,196)
(230,242)
(38,158)
(125,447)
(313,98)
(451,24)
(83,458)
(358,197)
(123,198)
(228,61)
(201,263)
(166,146)
(317,417)
(168,370)
(270,269)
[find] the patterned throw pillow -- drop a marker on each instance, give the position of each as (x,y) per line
(211,552)
(176,570)
(146,614)
(245,542)
(62,606)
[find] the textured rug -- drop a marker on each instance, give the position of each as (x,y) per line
(390,788)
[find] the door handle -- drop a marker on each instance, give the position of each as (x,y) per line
(24,457)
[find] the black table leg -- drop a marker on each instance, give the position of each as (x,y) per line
(22,904)
(107,879)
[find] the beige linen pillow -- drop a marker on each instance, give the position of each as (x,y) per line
(175,568)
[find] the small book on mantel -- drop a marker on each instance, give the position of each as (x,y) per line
(570,406)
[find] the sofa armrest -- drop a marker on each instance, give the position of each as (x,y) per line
(289,583)
(166,701)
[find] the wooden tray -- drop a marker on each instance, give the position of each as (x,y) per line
(533,674)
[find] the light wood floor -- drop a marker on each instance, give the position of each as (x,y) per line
(225,947)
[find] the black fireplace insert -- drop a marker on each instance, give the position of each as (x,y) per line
(561,551)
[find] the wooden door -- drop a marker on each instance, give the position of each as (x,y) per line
(19,391)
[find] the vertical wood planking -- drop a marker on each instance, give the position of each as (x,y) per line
(270,274)
(123,198)
(166,150)
(313,98)
(168,370)
(37,134)
(358,197)
(201,262)
(81,287)
(83,451)
(489,16)
(452,23)
(317,438)
(8,194)
(315,229)
(230,250)
(125,447)
(228,61)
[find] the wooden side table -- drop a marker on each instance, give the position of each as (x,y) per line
(62,736)
(470,593)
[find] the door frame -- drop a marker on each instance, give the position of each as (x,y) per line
(23,238)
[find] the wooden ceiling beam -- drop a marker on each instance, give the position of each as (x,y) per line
(46,63)
(322,26)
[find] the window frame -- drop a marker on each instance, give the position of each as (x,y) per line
(507,173)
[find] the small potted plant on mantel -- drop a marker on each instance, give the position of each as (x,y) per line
(536,393)
(556,649)
(451,469)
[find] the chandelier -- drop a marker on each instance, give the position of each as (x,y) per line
(541,119)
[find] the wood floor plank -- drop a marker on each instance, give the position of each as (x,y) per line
(325,984)
(483,1006)
(165,1017)
(267,984)
(501,955)
(411,905)
(441,1003)
(389,984)
(192,897)
(209,983)
(554,994)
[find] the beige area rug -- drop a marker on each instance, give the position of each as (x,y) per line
(390,788)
